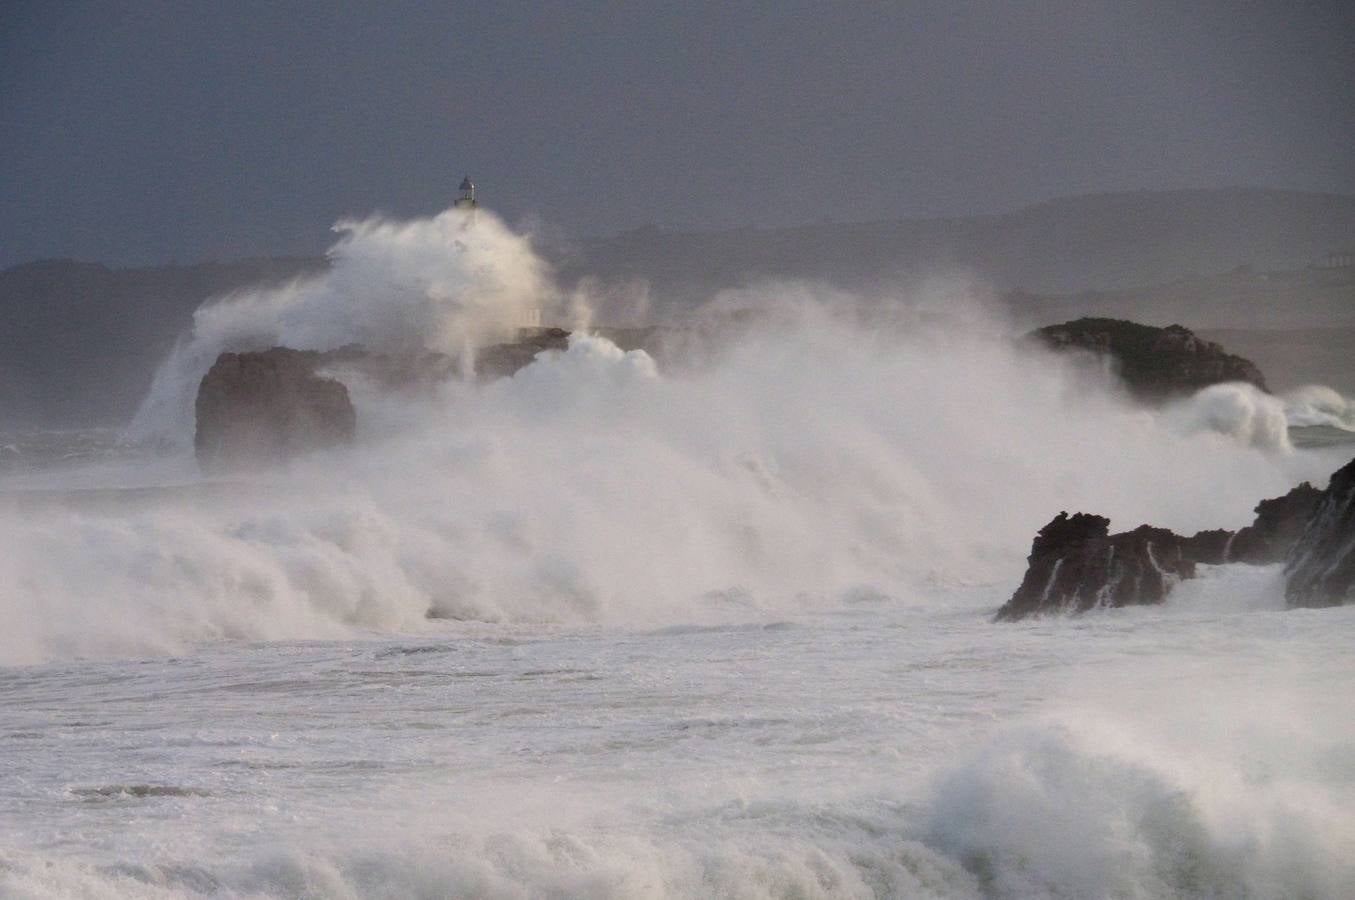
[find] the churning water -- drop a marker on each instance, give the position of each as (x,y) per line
(719,629)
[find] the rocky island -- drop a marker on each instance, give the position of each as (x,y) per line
(1155,364)
(266,407)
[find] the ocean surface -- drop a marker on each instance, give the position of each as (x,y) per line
(869,745)
(885,748)
(882,748)
(720,629)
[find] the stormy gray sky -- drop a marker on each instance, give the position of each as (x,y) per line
(160,129)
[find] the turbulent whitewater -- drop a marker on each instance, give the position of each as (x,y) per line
(611,629)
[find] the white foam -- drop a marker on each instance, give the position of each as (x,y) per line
(1316,404)
(827,447)
(1239,411)
(882,753)
(444,283)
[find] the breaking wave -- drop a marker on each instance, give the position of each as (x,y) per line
(827,448)
(1316,404)
(1075,806)
(1240,411)
(436,284)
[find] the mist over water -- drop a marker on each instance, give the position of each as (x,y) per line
(717,627)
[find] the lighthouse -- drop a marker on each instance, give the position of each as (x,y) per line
(466,200)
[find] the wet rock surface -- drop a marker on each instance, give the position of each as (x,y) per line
(1321,565)
(1075,564)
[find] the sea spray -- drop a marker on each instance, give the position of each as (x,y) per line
(443,284)
(1237,410)
(803,465)
(1315,404)
(819,446)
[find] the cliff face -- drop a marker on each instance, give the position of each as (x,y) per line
(268,407)
(1321,567)
(1155,364)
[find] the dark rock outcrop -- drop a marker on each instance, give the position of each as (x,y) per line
(267,407)
(1075,564)
(1321,565)
(1279,524)
(1156,364)
(1210,547)
(272,405)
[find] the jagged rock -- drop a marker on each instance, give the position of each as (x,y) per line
(1064,533)
(267,407)
(503,360)
(1076,565)
(1155,364)
(1278,525)
(1210,547)
(1321,565)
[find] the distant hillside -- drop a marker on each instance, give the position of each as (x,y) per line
(1242,298)
(81,341)
(1099,242)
